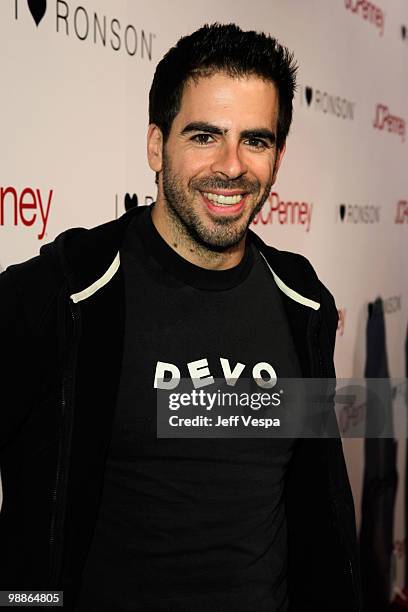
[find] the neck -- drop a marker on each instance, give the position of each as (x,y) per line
(173,231)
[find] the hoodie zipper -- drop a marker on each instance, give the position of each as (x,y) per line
(58,496)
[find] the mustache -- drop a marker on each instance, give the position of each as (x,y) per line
(206,184)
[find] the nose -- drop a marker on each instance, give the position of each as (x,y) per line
(229,161)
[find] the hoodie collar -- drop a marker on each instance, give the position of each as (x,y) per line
(89,259)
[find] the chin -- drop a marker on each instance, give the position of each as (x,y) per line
(219,242)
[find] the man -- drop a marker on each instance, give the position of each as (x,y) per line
(94,503)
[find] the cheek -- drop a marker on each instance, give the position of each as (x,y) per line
(194,163)
(263,169)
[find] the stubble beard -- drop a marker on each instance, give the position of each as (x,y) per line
(226,231)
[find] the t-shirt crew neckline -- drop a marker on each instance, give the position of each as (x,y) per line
(187,272)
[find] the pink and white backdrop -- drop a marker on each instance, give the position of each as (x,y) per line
(75,76)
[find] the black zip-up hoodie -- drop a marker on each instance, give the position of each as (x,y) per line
(62,317)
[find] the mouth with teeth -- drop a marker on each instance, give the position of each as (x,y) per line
(224,203)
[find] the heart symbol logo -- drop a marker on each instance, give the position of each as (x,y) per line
(342,211)
(37,9)
(308,94)
(131,201)
(403,32)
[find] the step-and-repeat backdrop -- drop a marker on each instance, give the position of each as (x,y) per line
(75,76)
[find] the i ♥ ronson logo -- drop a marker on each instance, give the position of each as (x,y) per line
(383,119)
(326,103)
(84,24)
(292,212)
(392,304)
(27,207)
(368,11)
(128,201)
(388,305)
(356,213)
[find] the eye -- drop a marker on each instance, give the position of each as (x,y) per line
(202,139)
(257,143)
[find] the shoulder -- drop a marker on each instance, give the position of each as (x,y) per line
(32,285)
(297,272)
(74,258)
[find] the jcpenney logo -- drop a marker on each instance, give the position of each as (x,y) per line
(326,103)
(355,213)
(352,413)
(400,547)
(383,119)
(78,22)
(368,11)
(401,215)
(28,207)
(342,321)
(276,211)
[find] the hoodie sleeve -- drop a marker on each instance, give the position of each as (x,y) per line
(17,374)
(330,318)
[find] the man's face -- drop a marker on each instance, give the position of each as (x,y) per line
(220,159)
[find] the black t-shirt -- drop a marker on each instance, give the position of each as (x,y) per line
(191,524)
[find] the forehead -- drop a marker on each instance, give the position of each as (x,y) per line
(220,98)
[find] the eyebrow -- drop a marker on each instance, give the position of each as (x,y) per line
(209,128)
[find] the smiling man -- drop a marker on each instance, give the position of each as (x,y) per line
(122,519)
(217,167)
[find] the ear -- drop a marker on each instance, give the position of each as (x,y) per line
(278,161)
(154,147)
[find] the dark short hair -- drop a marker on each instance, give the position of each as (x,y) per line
(222,48)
